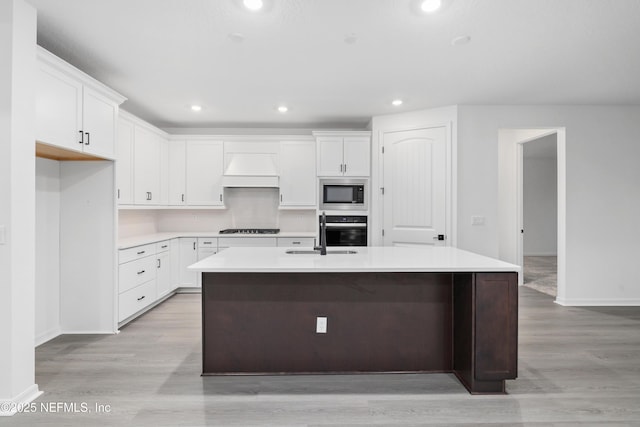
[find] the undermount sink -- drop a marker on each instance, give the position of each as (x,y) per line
(313,252)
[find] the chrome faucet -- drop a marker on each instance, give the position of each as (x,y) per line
(323,235)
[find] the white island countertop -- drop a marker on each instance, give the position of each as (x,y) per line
(367,259)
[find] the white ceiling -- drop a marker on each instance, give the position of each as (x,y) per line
(165,55)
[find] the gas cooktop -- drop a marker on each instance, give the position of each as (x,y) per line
(250,231)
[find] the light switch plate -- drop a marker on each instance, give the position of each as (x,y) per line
(3,234)
(321,325)
(477,220)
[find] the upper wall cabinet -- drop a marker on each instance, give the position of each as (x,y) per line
(298,174)
(74,111)
(343,153)
(204,172)
(124,163)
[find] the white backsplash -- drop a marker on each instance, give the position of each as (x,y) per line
(246,208)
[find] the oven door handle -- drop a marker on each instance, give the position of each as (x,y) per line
(343,225)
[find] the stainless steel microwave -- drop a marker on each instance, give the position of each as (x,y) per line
(343,194)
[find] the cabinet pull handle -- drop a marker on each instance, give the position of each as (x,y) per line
(194,246)
(220,197)
(163,246)
(345,168)
(140,272)
(150,195)
(88,138)
(207,243)
(141,298)
(118,193)
(159,263)
(141,252)
(81,137)
(295,243)
(183,197)
(280,197)
(340,167)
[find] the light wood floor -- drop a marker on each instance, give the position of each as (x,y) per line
(577,366)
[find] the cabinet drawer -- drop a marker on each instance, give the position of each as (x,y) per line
(206,252)
(137,252)
(207,242)
(134,273)
(295,241)
(163,246)
(228,242)
(136,299)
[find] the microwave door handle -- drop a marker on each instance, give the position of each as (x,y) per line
(346,225)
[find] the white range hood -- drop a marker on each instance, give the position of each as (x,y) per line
(251,164)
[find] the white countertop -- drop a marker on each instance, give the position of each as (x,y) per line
(145,239)
(367,259)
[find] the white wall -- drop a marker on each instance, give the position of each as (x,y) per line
(47,290)
(540,204)
(602,192)
(17,201)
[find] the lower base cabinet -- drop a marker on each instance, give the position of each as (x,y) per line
(136,299)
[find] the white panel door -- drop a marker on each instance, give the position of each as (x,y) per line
(357,156)
(58,109)
(415,187)
(99,123)
(177,173)
(298,173)
(330,157)
(204,173)
(124,162)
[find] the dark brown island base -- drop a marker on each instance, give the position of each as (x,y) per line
(265,322)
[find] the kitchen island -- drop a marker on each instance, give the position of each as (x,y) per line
(381,309)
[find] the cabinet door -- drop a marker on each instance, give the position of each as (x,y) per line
(297,173)
(99,123)
(163,274)
(124,162)
(188,256)
(177,172)
(146,159)
(330,156)
(164,171)
(204,173)
(175,263)
(58,109)
(357,156)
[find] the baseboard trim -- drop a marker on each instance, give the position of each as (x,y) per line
(47,336)
(586,302)
(11,407)
(189,290)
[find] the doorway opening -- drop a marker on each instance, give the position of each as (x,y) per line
(512,205)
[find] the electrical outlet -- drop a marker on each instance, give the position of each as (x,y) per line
(321,325)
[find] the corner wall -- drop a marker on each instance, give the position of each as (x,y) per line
(602,192)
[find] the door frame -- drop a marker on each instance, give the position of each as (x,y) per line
(511,198)
(377,180)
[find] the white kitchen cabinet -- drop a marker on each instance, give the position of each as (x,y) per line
(347,154)
(136,299)
(74,111)
(146,167)
(177,173)
(164,171)
(298,174)
(163,273)
(124,161)
(204,173)
(175,263)
(295,242)
(188,256)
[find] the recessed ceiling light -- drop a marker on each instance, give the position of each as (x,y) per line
(196,108)
(253,5)
(459,41)
(283,108)
(430,6)
(396,102)
(351,38)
